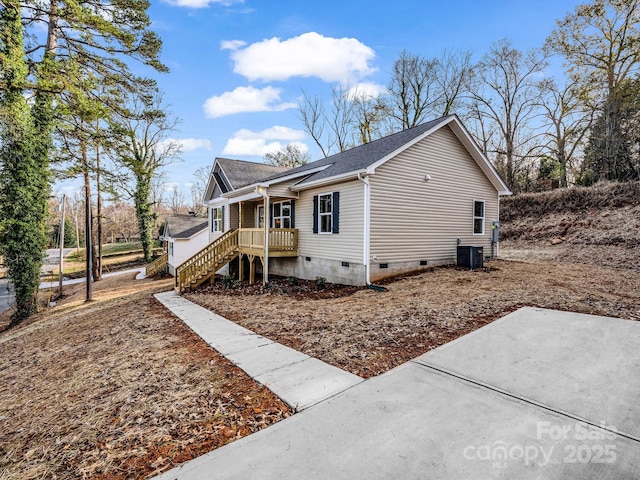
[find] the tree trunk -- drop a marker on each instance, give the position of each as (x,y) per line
(144,214)
(98,270)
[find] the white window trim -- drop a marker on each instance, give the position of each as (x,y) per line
(220,220)
(320,232)
(257,213)
(484,216)
(273,217)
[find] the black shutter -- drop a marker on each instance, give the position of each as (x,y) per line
(211,218)
(336,213)
(293,214)
(222,219)
(315,214)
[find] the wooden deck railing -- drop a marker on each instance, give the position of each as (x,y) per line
(204,264)
(280,239)
(158,265)
(207,261)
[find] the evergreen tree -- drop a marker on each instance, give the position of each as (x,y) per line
(89,37)
(23,184)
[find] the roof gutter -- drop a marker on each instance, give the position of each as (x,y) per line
(267,183)
(353,175)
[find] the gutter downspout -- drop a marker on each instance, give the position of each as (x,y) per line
(267,219)
(366,254)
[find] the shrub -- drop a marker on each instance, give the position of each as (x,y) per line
(292,281)
(320,283)
(228,282)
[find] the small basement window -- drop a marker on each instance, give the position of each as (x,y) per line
(478,217)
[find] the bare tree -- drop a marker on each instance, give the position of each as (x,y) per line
(311,114)
(140,144)
(454,75)
(198,188)
(333,129)
(600,41)
(120,221)
(568,121)
(290,156)
(176,201)
(507,94)
(413,90)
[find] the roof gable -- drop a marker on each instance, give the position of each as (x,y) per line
(362,159)
(359,158)
(184,226)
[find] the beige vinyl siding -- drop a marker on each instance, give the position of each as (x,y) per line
(226,220)
(347,245)
(216,192)
(414,219)
(234,215)
(248,215)
(283,189)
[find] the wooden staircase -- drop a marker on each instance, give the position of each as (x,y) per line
(204,264)
(159,265)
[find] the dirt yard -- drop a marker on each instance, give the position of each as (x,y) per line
(117,389)
(368,332)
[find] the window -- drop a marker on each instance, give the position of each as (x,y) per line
(281,215)
(261,216)
(171,249)
(478,217)
(326,209)
(217,219)
(325,213)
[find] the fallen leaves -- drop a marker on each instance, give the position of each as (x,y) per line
(118,389)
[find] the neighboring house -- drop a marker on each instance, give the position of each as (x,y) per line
(185,235)
(398,204)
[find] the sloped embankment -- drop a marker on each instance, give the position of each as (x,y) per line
(599,224)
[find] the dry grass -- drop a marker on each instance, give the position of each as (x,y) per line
(368,332)
(118,388)
(578,200)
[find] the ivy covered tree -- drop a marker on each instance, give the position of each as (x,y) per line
(23,180)
(140,143)
(89,37)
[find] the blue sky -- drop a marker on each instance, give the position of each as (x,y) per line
(238,68)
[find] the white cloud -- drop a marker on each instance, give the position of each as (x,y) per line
(190,144)
(187,144)
(246,99)
(202,3)
(366,89)
(307,55)
(250,143)
(232,44)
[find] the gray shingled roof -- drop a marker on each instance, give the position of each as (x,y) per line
(359,158)
(241,173)
(184,226)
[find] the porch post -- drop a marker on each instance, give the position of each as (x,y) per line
(267,221)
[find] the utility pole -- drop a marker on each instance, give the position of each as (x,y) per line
(88,249)
(61,230)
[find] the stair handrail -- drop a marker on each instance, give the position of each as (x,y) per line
(156,266)
(206,259)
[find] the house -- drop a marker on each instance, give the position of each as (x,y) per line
(183,235)
(398,204)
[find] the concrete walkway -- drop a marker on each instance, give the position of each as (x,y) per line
(538,394)
(141,274)
(298,379)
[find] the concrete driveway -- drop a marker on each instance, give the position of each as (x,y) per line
(538,394)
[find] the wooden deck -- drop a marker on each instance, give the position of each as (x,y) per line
(283,242)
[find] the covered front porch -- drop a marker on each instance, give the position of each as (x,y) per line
(261,236)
